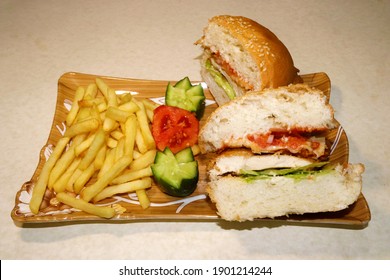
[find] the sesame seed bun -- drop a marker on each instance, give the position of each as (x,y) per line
(250,54)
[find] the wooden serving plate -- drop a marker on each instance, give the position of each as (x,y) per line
(195,207)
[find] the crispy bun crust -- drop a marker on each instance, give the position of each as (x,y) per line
(273,59)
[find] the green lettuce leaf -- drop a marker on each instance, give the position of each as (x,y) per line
(220,80)
(298,173)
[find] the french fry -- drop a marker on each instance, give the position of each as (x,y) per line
(72,179)
(83,146)
(125,97)
(133,186)
(120,149)
(144,161)
(149,104)
(83,178)
(40,187)
(61,184)
(106,135)
(82,127)
(64,161)
(150,115)
(117,114)
(117,134)
(102,86)
(108,162)
(91,91)
(130,135)
(91,101)
(93,150)
(136,154)
(83,114)
(140,141)
(109,124)
(100,211)
(95,114)
(112,143)
(129,107)
(89,192)
(149,108)
(70,118)
(133,175)
(144,127)
(143,198)
(102,107)
(100,157)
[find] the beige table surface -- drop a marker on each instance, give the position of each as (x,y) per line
(40,40)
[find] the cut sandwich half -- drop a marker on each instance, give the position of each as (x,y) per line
(271,156)
(285,120)
(244,188)
(241,55)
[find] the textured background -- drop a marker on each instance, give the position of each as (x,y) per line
(41,40)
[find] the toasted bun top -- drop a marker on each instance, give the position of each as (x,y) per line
(270,56)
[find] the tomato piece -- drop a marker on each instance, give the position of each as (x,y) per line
(282,140)
(174,128)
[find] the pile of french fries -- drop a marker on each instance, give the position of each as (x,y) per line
(107,149)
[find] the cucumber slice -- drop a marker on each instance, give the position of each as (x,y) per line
(185,155)
(195,91)
(177,97)
(184,83)
(177,175)
(186,96)
(166,156)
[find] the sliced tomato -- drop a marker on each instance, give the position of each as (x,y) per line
(175,128)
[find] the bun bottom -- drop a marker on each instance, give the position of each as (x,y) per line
(239,200)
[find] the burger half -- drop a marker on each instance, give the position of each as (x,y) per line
(272,156)
(241,55)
